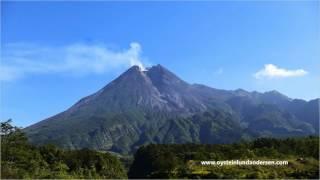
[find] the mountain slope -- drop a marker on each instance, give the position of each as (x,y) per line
(155,106)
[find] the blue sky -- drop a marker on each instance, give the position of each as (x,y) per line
(53,54)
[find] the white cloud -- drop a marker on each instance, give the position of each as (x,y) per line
(272,71)
(21,59)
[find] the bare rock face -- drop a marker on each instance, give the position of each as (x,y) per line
(155,89)
(155,106)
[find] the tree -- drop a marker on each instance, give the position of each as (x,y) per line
(22,160)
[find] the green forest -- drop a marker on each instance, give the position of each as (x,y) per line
(183,160)
(20,159)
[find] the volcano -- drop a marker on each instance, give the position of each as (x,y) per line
(155,106)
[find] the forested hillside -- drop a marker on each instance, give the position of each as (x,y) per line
(19,159)
(183,160)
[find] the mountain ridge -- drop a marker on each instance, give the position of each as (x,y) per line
(156,106)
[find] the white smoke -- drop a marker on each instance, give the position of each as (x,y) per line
(134,54)
(23,59)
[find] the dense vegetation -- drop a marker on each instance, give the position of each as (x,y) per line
(183,160)
(19,159)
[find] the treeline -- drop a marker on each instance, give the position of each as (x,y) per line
(183,161)
(19,159)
